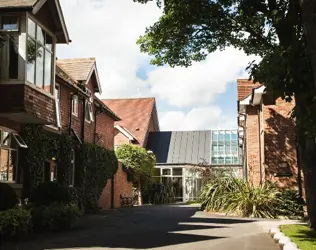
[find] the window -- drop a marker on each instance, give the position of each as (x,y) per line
(57,105)
(75,106)
(88,91)
(39,56)
(88,112)
(166,171)
(9,23)
(9,55)
(177,171)
(9,144)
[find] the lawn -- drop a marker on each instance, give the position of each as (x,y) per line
(302,235)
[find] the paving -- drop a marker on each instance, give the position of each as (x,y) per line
(155,227)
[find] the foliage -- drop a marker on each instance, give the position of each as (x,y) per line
(43,146)
(136,158)
(232,195)
(290,204)
(95,165)
(50,192)
(55,216)
(302,235)
(162,194)
(15,222)
(8,197)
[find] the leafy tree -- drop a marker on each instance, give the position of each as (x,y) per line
(140,161)
(189,30)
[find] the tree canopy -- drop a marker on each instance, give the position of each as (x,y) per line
(136,158)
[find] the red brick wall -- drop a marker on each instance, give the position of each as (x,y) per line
(121,187)
(279,138)
(120,139)
(252,154)
(244,87)
(105,130)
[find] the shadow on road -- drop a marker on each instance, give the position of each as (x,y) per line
(136,228)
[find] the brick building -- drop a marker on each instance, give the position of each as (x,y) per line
(29,33)
(138,118)
(267,137)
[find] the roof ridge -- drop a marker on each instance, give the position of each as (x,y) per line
(77,59)
(129,98)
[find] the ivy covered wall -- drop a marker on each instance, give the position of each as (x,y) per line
(93,164)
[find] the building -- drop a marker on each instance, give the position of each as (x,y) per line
(267,137)
(179,153)
(138,118)
(29,33)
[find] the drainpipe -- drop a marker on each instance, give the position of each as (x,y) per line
(112,192)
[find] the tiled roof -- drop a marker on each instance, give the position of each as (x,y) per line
(107,109)
(17,3)
(135,114)
(244,87)
(78,68)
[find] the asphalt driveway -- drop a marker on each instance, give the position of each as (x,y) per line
(155,227)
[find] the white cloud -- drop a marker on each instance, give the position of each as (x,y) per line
(108,30)
(200,83)
(209,117)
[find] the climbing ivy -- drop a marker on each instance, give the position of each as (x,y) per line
(95,165)
(43,146)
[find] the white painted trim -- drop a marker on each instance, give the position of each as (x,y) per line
(125,132)
(94,69)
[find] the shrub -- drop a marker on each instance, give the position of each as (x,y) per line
(235,196)
(55,216)
(162,193)
(50,192)
(290,204)
(16,222)
(8,197)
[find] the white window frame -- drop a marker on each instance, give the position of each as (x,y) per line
(90,110)
(75,106)
(57,106)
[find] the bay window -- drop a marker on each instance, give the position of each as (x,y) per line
(39,56)
(9,47)
(10,142)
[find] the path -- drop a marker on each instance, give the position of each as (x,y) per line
(156,227)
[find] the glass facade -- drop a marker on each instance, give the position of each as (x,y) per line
(224,147)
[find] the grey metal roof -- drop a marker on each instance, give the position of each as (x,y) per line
(180,147)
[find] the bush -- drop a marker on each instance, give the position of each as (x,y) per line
(16,222)
(290,204)
(49,192)
(235,196)
(162,193)
(8,197)
(55,216)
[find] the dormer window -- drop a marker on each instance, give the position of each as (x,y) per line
(39,56)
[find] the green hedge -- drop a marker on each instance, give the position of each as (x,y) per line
(55,216)
(14,223)
(8,197)
(95,165)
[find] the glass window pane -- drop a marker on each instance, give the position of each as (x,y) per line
(40,35)
(10,23)
(234,136)
(31,57)
(221,137)
(228,160)
(14,58)
(49,42)
(4,160)
(40,67)
(214,148)
(214,136)
(227,149)
(177,171)
(221,160)
(166,171)
(236,160)
(31,28)
(48,71)
(227,137)
(13,161)
(214,160)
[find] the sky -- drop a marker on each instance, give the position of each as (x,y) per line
(200,97)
